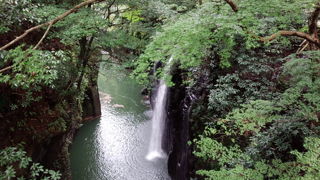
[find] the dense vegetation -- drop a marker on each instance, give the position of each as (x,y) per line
(254,63)
(48,75)
(260,109)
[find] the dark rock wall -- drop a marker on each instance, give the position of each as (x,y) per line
(181,102)
(91,105)
(57,155)
(178,130)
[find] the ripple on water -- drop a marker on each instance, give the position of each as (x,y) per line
(122,145)
(136,160)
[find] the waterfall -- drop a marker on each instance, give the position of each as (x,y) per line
(159,116)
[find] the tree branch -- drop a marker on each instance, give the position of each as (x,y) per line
(233,5)
(5,69)
(44,35)
(291,33)
(313,29)
(304,45)
(52,22)
(49,24)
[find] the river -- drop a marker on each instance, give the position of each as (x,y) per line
(114,146)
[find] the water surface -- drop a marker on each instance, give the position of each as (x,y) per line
(114,147)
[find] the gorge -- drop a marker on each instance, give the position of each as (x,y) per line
(159,89)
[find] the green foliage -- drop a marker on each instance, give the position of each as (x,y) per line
(169,10)
(265,18)
(82,24)
(263,139)
(309,161)
(161,11)
(302,97)
(46,12)
(15,164)
(3,29)
(85,22)
(305,167)
(253,78)
(133,16)
(32,68)
(261,125)
(58,126)
(252,117)
(236,173)
(121,39)
(213,28)
(14,12)
(210,149)
(188,47)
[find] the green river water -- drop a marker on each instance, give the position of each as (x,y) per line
(114,146)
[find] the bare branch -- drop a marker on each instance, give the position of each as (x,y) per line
(52,22)
(303,48)
(5,69)
(44,35)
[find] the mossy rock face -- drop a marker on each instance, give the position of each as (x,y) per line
(91,104)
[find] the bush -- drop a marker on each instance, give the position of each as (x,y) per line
(274,139)
(15,164)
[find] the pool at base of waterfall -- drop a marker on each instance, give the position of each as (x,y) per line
(114,147)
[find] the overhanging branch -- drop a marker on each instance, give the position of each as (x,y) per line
(49,24)
(306,36)
(312,37)
(52,22)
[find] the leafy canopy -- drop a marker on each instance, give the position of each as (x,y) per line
(213,27)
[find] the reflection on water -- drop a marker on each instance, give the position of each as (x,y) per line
(114,147)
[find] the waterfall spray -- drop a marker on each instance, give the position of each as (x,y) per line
(159,116)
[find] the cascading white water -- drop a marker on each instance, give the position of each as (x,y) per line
(159,116)
(158,121)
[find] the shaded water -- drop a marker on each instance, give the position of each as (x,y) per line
(114,147)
